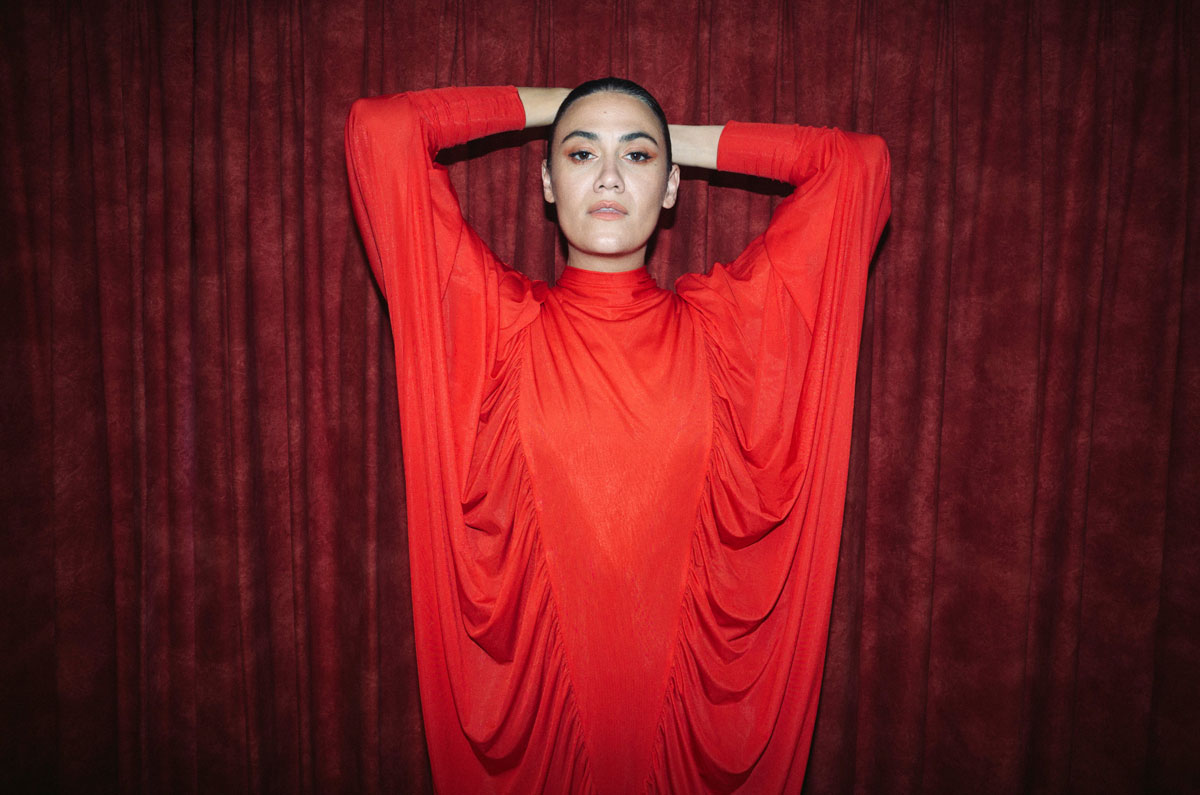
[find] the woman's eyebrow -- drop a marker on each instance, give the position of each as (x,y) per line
(591,136)
(639,134)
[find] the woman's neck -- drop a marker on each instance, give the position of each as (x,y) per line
(606,263)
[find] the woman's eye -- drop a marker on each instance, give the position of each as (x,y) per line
(638,157)
(579,157)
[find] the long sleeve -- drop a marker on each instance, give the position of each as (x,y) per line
(797,290)
(783,320)
(782,325)
(457,316)
(453,305)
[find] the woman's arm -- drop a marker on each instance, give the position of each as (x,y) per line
(541,104)
(830,222)
(695,145)
(452,304)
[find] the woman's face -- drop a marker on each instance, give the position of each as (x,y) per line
(607,176)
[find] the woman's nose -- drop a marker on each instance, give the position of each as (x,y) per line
(610,176)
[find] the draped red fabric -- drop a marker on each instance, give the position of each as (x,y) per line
(624,504)
(204,574)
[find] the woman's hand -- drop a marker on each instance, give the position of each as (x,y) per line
(541,104)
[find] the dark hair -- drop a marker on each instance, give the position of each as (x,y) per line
(616,85)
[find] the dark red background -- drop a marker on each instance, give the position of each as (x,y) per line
(203,572)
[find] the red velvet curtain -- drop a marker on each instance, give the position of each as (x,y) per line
(203,571)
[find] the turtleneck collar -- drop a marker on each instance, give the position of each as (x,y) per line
(612,289)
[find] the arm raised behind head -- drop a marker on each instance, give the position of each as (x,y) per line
(541,104)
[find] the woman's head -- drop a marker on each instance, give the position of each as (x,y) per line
(608,171)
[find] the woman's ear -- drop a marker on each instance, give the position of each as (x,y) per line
(547,187)
(672,191)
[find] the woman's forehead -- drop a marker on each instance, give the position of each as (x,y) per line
(608,112)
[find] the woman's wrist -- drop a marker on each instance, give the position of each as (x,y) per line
(695,145)
(541,104)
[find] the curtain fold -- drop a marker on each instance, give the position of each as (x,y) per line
(204,573)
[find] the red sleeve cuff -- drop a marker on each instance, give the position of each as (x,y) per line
(492,109)
(464,113)
(764,150)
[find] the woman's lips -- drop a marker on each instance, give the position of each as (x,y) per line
(607,211)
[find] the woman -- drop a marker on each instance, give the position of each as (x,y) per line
(624,502)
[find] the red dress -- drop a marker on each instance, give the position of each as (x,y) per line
(624,502)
